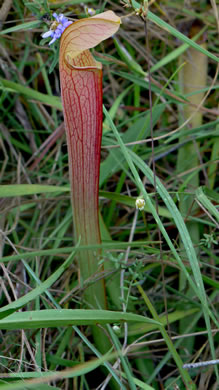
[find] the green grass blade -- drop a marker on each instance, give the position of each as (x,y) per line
(123,359)
(13,306)
(142,190)
(21,27)
(198,286)
(167,27)
(203,199)
(37,381)
(61,251)
(7,191)
(174,53)
(114,108)
(52,101)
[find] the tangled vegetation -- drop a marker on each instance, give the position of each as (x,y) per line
(159,256)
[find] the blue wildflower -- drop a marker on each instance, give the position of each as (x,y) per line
(57,27)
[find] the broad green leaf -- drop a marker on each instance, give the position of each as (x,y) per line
(64,317)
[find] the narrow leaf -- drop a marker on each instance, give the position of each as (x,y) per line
(64,317)
(18,303)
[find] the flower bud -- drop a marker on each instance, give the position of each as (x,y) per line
(116,330)
(140,203)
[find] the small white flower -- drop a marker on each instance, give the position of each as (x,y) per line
(89,11)
(57,27)
(116,329)
(140,203)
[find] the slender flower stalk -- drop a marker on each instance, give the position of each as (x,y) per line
(81,86)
